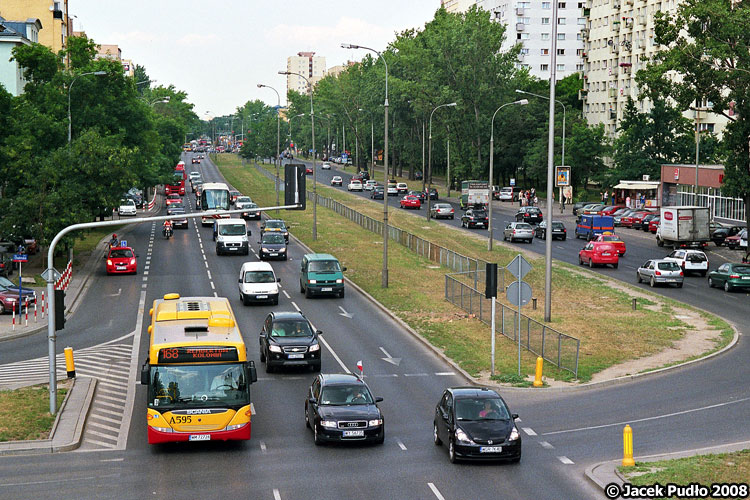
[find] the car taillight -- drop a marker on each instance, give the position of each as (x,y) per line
(452,211)
(682,265)
(681,274)
(565,230)
(658,273)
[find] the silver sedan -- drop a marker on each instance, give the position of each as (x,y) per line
(660,271)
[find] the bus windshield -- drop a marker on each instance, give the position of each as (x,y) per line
(215,199)
(190,386)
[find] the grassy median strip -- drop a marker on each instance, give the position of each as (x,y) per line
(24,413)
(703,469)
(584,306)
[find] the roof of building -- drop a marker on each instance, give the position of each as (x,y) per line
(638,185)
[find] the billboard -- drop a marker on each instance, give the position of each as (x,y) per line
(562,176)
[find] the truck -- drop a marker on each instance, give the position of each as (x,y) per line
(474,194)
(684,226)
(592,225)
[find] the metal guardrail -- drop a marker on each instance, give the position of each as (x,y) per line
(555,347)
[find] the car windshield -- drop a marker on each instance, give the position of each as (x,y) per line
(121,253)
(178,211)
(205,385)
(479,213)
(442,207)
(324,266)
(481,409)
(291,328)
(668,266)
(127,202)
(273,238)
(345,395)
(259,277)
(276,224)
(6,283)
(243,199)
(232,229)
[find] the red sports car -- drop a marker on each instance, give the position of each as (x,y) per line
(174,198)
(610,210)
(411,201)
(614,240)
(121,260)
(599,252)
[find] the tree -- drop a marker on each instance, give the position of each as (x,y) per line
(706,45)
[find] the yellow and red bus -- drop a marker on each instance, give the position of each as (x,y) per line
(197,372)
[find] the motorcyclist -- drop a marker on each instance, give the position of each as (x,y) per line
(167,229)
(114,242)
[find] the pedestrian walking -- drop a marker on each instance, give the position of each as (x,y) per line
(601,196)
(536,201)
(606,196)
(533,192)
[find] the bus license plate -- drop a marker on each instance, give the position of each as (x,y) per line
(200,437)
(490,449)
(296,356)
(348,434)
(326,289)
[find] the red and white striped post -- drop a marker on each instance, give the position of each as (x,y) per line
(14,316)
(27,313)
(42,305)
(35,311)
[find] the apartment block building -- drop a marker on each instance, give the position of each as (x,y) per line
(618,35)
(53,15)
(308,64)
(14,34)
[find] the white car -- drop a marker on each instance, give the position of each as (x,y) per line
(391,190)
(337,181)
(354,185)
(691,261)
(258,283)
(127,207)
(402,188)
(326,166)
(506,194)
(369,185)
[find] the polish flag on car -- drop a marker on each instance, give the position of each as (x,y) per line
(360,368)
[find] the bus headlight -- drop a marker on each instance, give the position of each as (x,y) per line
(274,348)
(235,427)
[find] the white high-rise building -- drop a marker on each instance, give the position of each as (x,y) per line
(308,64)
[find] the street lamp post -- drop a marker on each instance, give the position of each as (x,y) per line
(70,123)
(278,137)
(521,102)
(429,156)
(315,171)
(384,282)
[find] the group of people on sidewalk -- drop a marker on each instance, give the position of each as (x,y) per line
(528,198)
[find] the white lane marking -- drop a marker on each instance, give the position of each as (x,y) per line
(565,460)
(545,444)
(336,357)
(386,353)
(276,494)
(667,415)
(212,286)
(296,307)
(209,274)
(146,267)
(529,431)
(435,491)
(400,444)
(560,247)
(145,278)
(206,264)
(285,294)
(262,446)
(631,267)
(415,374)
(145,273)
(216,294)
(444,374)
(112,460)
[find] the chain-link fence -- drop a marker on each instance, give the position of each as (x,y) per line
(557,348)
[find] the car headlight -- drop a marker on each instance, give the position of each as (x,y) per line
(109,262)
(274,348)
(375,422)
(339,280)
(513,434)
(282,250)
(462,437)
(329,424)
(265,249)
(314,347)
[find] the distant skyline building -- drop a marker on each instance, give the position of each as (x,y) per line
(308,64)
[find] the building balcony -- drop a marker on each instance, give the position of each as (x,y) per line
(612,92)
(615,25)
(520,26)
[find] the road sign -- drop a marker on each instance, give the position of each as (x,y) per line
(123,243)
(512,182)
(512,293)
(51,273)
(514,270)
(20,257)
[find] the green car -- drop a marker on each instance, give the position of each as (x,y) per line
(730,276)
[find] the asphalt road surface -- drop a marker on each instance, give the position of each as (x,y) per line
(700,405)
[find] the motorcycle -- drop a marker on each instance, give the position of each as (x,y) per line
(167,232)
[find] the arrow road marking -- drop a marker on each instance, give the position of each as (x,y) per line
(119,291)
(346,314)
(388,358)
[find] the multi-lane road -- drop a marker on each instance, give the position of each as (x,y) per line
(563,432)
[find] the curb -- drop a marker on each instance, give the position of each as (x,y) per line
(68,427)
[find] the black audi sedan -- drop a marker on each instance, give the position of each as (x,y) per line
(288,339)
(340,408)
(475,424)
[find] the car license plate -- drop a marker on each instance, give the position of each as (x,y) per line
(120,268)
(605,254)
(671,280)
(354,434)
(261,296)
(200,437)
(296,356)
(273,254)
(326,289)
(490,449)
(746,277)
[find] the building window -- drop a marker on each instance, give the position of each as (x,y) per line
(560,67)
(523,20)
(561,36)
(524,36)
(544,67)
(545,36)
(545,20)
(582,21)
(560,20)
(579,67)
(561,5)
(546,5)
(545,52)
(579,36)
(560,52)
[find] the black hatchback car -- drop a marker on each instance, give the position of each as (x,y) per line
(288,339)
(532,215)
(340,407)
(475,423)
(475,217)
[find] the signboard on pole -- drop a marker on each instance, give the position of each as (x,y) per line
(20,257)
(512,182)
(562,176)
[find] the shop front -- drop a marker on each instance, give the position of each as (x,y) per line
(637,194)
(678,188)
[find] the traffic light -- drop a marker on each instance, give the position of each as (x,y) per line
(295,192)
(59,309)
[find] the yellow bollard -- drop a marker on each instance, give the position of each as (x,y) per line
(538,376)
(627,444)
(69,363)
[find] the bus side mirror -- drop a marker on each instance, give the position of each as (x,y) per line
(145,374)
(252,373)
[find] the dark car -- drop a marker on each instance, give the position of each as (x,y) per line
(475,424)
(288,339)
(179,220)
(365,175)
(272,246)
(730,276)
(434,194)
(340,407)
(419,194)
(418,175)
(532,215)
(646,221)
(9,296)
(6,264)
(274,226)
(580,204)
(137,198)
(558,230)
(475,217)
(377,193)
(720,234)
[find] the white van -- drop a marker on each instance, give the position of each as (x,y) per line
(231,236)
(258,283)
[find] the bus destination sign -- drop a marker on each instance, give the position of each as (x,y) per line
(197,354)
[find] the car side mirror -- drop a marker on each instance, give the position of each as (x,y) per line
(313,401)
(249,233)
(278,280)
(239,280)
(343,269)
(319,332)
(378,399)
(259,243)
(514,416)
